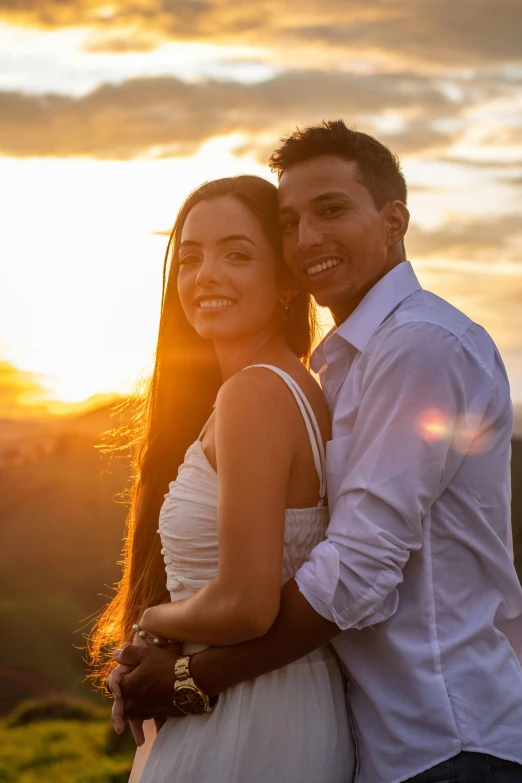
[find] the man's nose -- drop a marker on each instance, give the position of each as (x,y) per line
(209,273)
(308,234)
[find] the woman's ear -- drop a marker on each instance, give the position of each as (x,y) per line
(288,287)
(290,293)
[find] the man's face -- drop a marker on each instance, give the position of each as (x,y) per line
(335,240)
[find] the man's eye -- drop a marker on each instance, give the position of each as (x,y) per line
(289,224)
(332,209)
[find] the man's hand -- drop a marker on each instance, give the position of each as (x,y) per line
(148,687)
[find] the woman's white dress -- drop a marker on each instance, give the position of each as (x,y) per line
(288,726)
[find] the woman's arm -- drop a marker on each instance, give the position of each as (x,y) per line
(255,440)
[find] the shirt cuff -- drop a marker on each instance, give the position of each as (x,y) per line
(318,581)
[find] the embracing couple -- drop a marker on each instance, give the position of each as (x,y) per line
(391,652)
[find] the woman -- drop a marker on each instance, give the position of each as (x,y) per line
(250,487)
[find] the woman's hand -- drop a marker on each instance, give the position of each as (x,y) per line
(114,686)
(118,707)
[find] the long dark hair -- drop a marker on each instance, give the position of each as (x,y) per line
(171,413)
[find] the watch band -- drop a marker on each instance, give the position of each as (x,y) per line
(188,696)
(182,667)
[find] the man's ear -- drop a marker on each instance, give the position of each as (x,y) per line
(398,220)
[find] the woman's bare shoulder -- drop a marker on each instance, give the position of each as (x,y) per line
(261,394)
(255,389)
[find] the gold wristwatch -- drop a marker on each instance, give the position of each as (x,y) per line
(188,697)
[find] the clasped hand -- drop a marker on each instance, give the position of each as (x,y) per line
(142,686)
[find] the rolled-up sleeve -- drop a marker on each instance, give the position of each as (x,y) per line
(420,390)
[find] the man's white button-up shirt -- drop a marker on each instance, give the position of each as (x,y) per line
(417,567)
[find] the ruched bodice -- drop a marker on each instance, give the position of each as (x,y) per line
(187,524)
(188,527)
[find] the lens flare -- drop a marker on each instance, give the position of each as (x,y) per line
(471,436)
(467,432)
(433,425)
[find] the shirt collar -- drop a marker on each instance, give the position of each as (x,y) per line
(379,302)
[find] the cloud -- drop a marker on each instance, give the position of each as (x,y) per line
(446,32)
(492,239)
(173,117)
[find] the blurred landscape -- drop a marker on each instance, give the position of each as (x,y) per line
(60,542)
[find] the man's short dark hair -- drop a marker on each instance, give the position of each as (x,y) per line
(379,168)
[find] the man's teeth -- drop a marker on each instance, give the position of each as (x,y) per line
(323,266)
(215,303)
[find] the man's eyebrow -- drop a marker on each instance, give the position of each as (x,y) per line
(331,194)
(222,241)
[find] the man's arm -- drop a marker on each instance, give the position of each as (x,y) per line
(297,631)
(424,399)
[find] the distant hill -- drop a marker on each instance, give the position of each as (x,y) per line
(60,540)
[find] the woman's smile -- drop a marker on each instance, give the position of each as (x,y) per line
(214,304)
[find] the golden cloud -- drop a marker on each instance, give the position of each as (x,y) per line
(174,117)
(443,32)
(498,238)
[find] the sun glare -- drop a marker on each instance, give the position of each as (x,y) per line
(80,304)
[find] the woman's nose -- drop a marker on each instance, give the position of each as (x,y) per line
(209,273)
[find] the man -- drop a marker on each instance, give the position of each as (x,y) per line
(415,583)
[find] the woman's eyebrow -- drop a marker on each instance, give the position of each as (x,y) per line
(235,238)
(222,241)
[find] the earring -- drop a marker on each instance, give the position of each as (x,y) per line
(287,309)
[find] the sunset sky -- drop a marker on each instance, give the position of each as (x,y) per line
(110,112)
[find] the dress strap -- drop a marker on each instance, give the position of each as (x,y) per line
(312,427)
(206,425)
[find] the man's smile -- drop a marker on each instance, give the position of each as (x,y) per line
(321,265)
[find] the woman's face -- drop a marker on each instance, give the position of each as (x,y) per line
(227,280)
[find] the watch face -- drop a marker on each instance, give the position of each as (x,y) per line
(190,701)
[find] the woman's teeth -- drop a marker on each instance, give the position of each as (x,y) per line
(214,303)
(323,266)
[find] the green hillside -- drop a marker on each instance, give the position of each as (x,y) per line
(64,751)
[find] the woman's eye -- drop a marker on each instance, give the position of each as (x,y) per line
(185,260)
(237,255)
